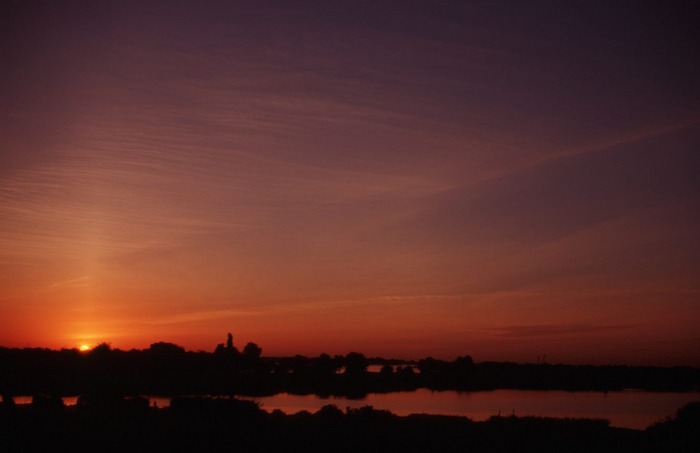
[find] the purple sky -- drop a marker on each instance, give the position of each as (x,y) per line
(404,178)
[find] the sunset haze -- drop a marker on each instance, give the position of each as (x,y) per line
(513,181)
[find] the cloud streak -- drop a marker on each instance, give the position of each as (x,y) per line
(557,330)
(416,169)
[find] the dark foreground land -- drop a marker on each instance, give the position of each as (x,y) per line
(106,419)
(99,424)
(167,369)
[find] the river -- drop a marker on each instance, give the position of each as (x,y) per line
(629,409)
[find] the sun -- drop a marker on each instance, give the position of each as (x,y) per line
(84,347)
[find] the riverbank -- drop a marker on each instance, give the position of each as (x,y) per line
(210,424)
(166,369)
(634,409)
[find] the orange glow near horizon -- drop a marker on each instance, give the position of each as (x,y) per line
(453,180)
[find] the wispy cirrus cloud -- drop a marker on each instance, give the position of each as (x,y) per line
(556,330)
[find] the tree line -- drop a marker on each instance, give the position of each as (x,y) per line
(168,369)
(113,423)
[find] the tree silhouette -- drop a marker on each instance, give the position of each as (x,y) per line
(325,365)
(252,351)
(355,363)
(166,350)
(101,349)
(387,370)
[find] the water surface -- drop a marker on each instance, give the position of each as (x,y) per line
(629,409)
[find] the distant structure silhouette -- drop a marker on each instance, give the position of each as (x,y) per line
(228,350)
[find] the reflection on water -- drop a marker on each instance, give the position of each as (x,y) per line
(67,400)
(378,368)
(629,409)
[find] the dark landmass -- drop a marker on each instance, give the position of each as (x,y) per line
(111,416)
(167,369)
(111,423)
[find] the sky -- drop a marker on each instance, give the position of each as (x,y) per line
(508,180)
